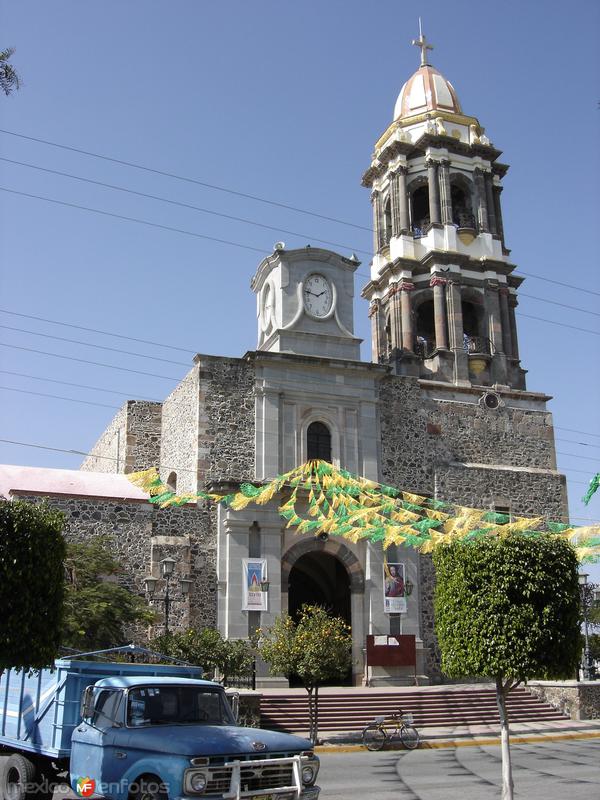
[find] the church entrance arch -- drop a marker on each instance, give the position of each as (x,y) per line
(326,573)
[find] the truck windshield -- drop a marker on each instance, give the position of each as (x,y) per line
(177,705)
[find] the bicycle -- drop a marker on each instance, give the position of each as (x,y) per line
(384,729)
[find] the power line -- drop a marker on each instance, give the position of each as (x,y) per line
(187,179)
(111,458)
(560,324)
(97,346)
(583,444)
(96,330)
(93,363)
(130,395)
(182,205)
(572,430)
(262,251)
(574,455)
(57,397)
(562,305)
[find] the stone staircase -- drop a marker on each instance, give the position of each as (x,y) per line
(443,706)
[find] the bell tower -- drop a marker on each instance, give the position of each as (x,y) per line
(442,294)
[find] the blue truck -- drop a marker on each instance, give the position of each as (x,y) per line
(130,731)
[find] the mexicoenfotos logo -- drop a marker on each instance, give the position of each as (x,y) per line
(86,787)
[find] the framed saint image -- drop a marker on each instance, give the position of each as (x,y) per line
(394,599)
(254,573)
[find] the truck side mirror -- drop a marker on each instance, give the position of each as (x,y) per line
(87,703)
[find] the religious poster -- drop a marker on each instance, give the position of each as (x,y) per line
(254,574)
(394,600)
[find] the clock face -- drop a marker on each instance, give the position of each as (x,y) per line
(267,306)
(317,295)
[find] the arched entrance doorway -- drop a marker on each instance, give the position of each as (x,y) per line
(319,579)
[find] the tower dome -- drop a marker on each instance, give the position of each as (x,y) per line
(426,90)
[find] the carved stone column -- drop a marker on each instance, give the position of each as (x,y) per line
(377,348)
(489,196)
(406,313)
(492,306)
(455,318)
(434,195)
(512,304)
(439,312)
(404,217)
(481,200)
(394,197)
(395,316)
(505,318)
(378,232)
(445,192)
(498,209)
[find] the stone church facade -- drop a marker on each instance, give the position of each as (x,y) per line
(441,410)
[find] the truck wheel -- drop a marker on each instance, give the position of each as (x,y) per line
(18,778)
(149,788)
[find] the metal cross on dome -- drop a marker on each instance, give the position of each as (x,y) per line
(422,43)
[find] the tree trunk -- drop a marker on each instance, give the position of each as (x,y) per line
(316,720)
(507,780)
(311,713)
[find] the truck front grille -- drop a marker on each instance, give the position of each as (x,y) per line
(252,778)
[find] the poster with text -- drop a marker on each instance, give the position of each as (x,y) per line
(254,572)
(394,599)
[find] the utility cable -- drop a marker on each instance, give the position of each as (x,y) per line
(583,444)
(231,217)
(262,251)
(574,455)
(560,324)
(187,179)
(97,346)
(130,395)
(93,363)
(562,305)
(572,430)
(57,397)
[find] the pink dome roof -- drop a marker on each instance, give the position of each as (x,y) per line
(426,90)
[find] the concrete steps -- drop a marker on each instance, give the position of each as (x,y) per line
(439,707)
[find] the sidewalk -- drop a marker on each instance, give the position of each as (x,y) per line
(473,735)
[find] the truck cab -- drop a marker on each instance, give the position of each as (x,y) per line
(143,733)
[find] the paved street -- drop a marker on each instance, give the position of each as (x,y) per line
(565,770)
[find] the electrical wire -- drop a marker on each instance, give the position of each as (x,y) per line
(187,179)
(583,444)
(574,455)
(93,363)
(262,251)
(562,305)
(572,430)
(130,395)
(182,205)
(560,324)
(57,397)
(97,346)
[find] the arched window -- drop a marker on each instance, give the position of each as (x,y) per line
(425,329)
(172,482)
(387,221)
(419,206)
(318,441)
(462,209)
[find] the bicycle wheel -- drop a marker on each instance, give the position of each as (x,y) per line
(373,737)
(409,737)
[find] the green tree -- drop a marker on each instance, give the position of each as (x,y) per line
(508,608)
(32,551)
(317,648)
(97,608)
(209,650)
(9,78)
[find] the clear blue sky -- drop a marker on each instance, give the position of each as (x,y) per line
(285,101)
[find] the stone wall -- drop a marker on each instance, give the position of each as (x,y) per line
(226,422)
(179,446)
(131,442)
(139,535)
(451,447)
(576,700)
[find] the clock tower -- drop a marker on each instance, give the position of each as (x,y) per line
(304,303)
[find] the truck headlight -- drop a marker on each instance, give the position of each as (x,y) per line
(308,775)
(198,781)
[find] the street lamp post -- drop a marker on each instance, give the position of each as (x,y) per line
(587,597)
(167,569)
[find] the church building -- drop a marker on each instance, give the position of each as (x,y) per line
(442,409)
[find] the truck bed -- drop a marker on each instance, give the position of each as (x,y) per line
(39,711)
